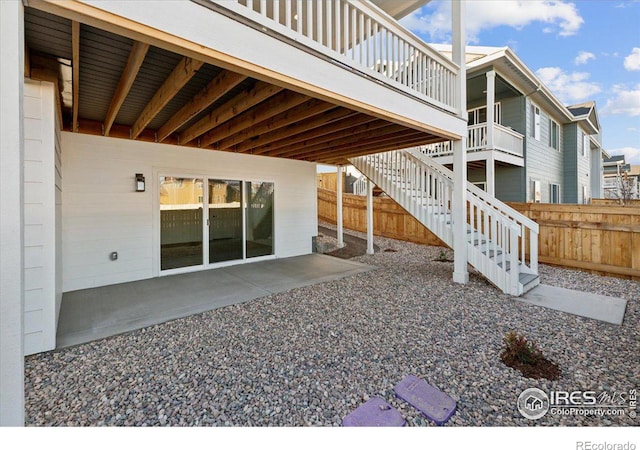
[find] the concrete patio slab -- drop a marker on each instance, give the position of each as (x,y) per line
(585,304)
(91,314)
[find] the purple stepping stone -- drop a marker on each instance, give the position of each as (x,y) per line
(433,403)
(375,412)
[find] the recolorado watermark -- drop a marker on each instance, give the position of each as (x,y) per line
(588,445)
(534,403)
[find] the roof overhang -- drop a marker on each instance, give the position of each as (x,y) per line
(399,9)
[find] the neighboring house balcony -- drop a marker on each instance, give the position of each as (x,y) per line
(505,145)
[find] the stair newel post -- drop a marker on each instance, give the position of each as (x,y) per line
(459,203)
(514,279)
(369,217)
(533,250)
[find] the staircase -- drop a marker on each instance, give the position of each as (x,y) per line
(502,244)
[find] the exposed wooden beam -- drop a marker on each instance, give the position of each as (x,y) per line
(75,64)
(241,102)
(181,74)
(94,127)
(47,68)
(265,110)
(348,134)
(217,87)
(390,135)
(136,57)
(27,60)
(342,157)
(325,132)
(308,109)
(362,138)
(299,132)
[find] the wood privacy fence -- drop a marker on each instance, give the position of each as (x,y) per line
(389,219)
(329,181)
(613,201)
(603,239)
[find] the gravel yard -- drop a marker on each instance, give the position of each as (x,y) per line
(311,355)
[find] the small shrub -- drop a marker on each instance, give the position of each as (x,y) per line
(525,356)
(443,257)
(519,348)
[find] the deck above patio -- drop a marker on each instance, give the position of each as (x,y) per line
(317,81)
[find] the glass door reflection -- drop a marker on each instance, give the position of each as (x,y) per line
(259,240)
(181,222)
(225,220)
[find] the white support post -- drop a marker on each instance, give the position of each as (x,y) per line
(459,206)
(490,172)
(369,217)
(11,214)
(491,100)
(339,221)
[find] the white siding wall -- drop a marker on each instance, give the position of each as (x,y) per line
(102,213)
(42,189)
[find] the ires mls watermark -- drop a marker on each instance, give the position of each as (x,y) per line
(534,403)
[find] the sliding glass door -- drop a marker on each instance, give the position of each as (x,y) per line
(181,221)
(225,220)
(259,229)
(207,221)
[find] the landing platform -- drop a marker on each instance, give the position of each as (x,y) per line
(585,304)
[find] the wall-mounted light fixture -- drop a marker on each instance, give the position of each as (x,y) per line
(139,182)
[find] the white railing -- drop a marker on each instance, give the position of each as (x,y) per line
(424,192)
(501,241)
(504,140)
(360,186)
(507,140)
(362,36)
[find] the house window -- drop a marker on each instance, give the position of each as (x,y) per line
(536,196)
(586,144)
(534,122)
(554,135)
(554,193)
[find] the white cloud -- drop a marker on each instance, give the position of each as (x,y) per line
(583,57)
(559,17)
(632,62)
(625,102)
(568,87)
(631,154)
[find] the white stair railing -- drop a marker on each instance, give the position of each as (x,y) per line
(360,186)
(499,238)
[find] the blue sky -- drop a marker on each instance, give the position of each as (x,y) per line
(582,50)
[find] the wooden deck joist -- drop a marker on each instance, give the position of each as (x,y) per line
(301,112)
(250,97)
(277,104)
(320,125)
(230,111)
(216,89)
(182,73)
(134,62)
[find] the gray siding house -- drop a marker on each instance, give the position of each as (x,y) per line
(529,147)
